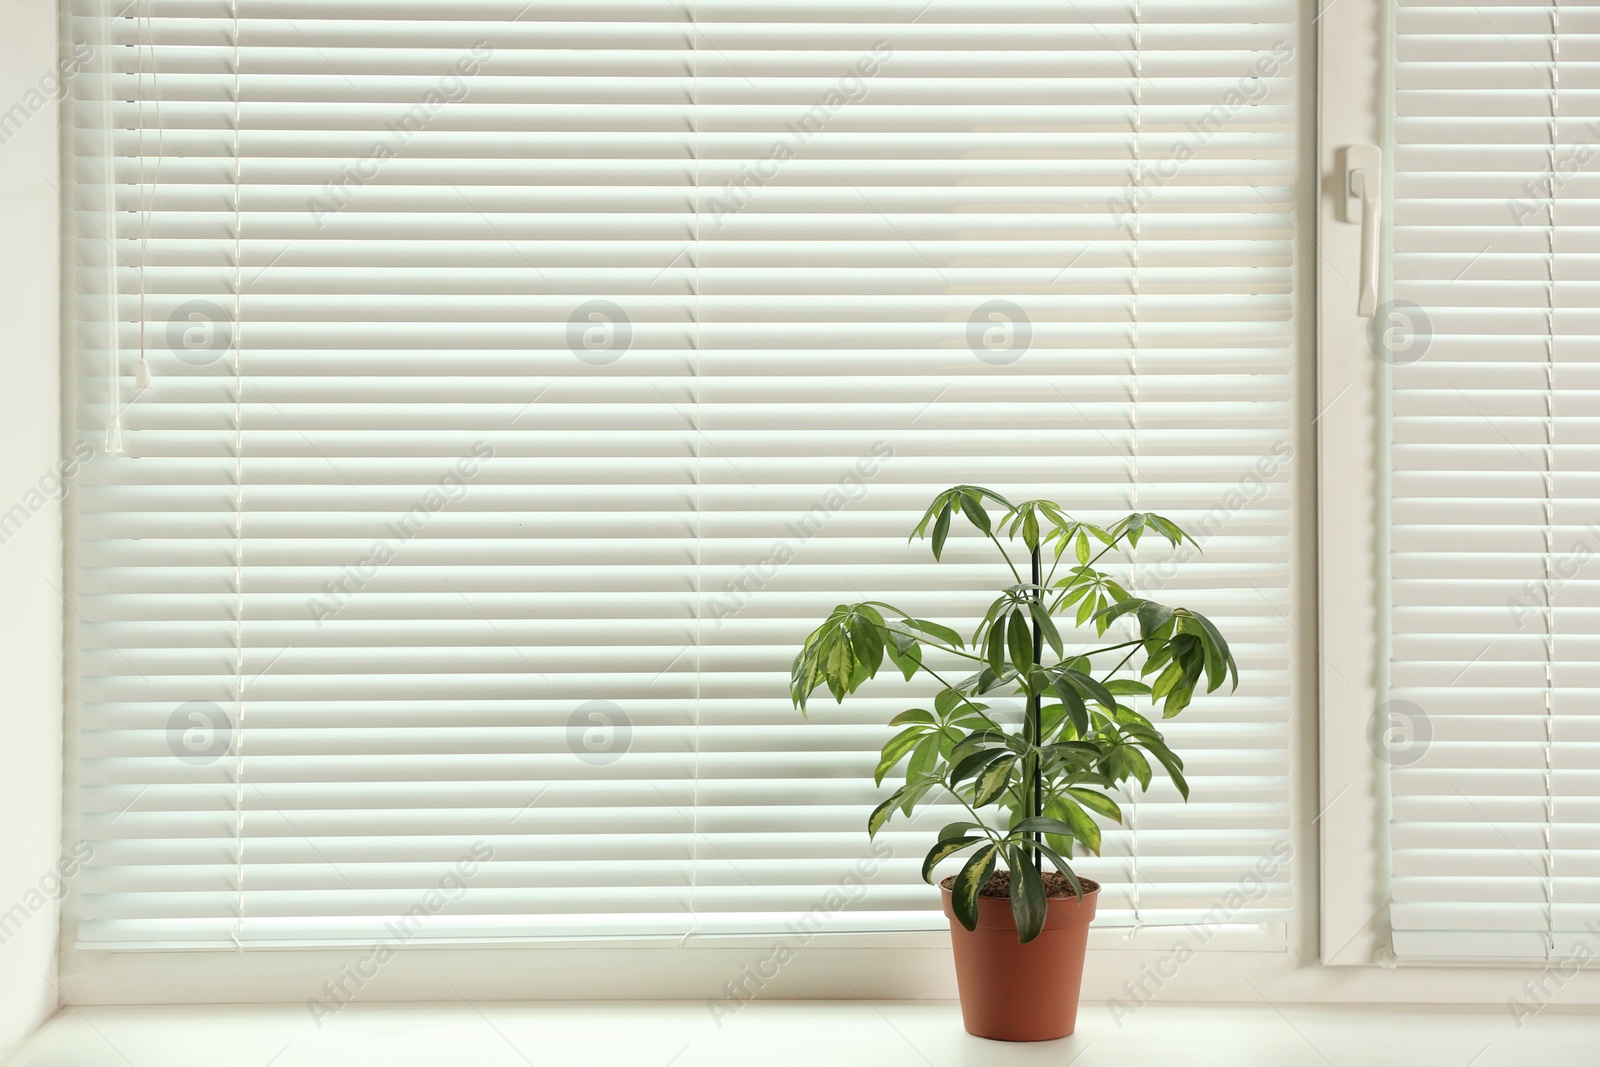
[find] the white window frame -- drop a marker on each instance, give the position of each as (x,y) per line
(30,557)
(1336,945)
(1351,553)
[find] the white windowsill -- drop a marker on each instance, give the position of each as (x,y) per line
(798,1033)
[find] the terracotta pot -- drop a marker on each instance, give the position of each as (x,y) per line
(1016,992)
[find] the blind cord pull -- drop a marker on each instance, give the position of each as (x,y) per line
(142,379)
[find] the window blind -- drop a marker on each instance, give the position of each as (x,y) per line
(1495,747)
(525,381)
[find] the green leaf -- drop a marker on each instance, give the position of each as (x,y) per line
(841,665)
(995,653)
(881,813)
(959,829)
(1112,612)
(1153,617)
(972,507)
(973,877)
(1123,687)
(1082,549)
(1020,641)
(1089,687)
(908,659)
(1095,778)
(983,736)
(858,674)
(1091,604)
(1170,530)
(942,851)
(1074,704)
(1047,626)
(937,631)
(993,781)
(986,680)
(927,517)
(866,641)
(1137,766)
(1028,903)
(990,494)
(914,715)
(898,638)
(915,791)
(1096,802)
(897,748)
(941,530)
(1084,828)
(923,757)
(1218,644)
(1133,720)
(971,764)
(1046,824)
(870,613)
(1168,680)
(1173,766)
(1051,718)
(1087,754)
(802,674)
(1157,656)
(1063,866)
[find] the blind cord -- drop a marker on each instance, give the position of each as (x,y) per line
(238,506)
(1133,408)
(108,141)
(1549,494)
(144,41)
(699,452)
(147,197)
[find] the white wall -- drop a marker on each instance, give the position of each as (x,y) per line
(31,609)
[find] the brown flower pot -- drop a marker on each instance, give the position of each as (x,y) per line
(1015,992)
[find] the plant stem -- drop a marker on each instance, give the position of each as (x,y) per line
(964,698)
(922,635)
(1093,560)
(1111,648)
(1035,719)
(987,829)
(1013,566)
(946,648)
(1113,671)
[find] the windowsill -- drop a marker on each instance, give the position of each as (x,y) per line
(802,1033)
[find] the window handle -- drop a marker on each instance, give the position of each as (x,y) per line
(1363,190)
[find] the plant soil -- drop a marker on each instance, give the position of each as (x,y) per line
(1055,885)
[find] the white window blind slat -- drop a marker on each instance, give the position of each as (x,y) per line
(590,395)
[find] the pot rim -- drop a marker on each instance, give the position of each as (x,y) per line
(1086,882)
(1060,913)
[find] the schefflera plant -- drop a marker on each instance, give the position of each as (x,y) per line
(1032,789)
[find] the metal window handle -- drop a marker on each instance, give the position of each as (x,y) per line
(1363,190)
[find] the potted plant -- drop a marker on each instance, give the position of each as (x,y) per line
(1030,791)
